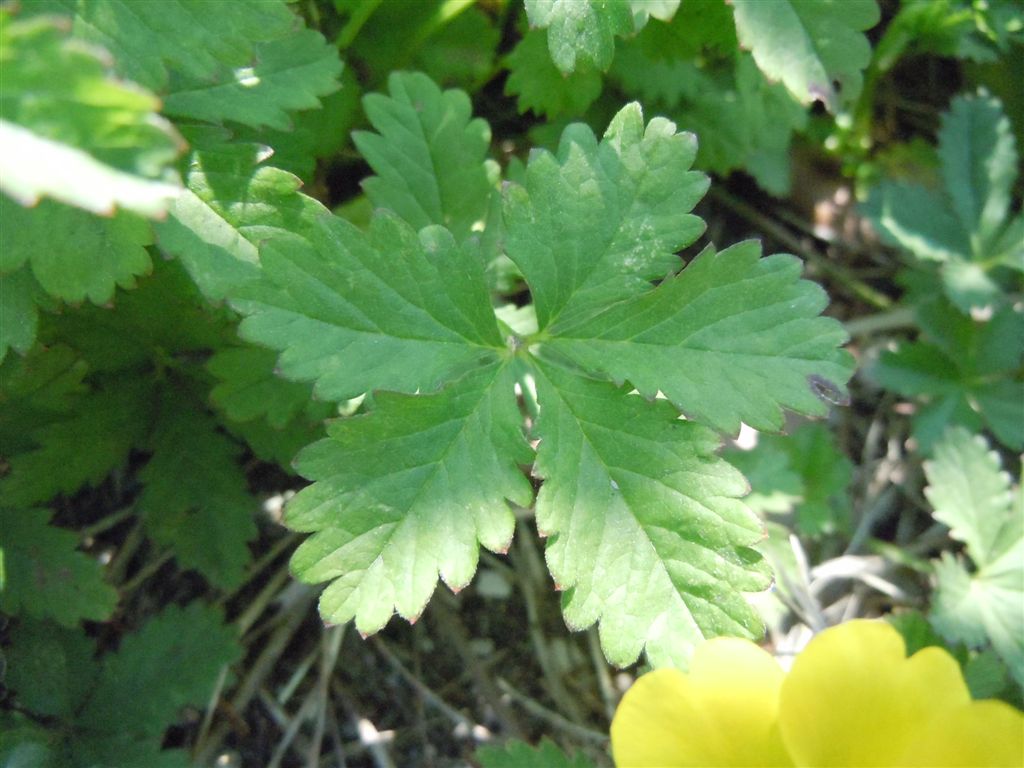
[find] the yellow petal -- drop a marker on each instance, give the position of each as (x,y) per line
(852,697)
(983,733)
(722,713)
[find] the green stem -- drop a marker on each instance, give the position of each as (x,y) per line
(359,17)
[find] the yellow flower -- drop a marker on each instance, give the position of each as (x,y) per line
(852,698)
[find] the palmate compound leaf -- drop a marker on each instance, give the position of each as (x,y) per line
(407,491)
(815,47)
(966,228)
(973,496)
(71,132)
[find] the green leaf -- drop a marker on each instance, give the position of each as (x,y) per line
(429,155)
(193,645)
(973,496)
(114,711)
(462,53)
(984,606)
(538,84)
(964,371)
(74,255)
(80,449)
(815,47)
(407,493)
(517,754)
(208,519)
(164,320)
(805,472)
(249,390)
(731,338)
(978,158)
(316,133)
(581,29)
(409,490)
(232,203)
(50,669)
(597,222)
(284,74)
(45,576)
(18,290)
(743,121)
(249,63)
(274,416)
(775,486)
(905,214)
(967,229)
(389,309)
(70,131)
(648,534)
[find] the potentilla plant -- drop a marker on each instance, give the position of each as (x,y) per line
(646,530)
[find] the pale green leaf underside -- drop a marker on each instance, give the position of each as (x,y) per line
(389,309)
(428,153)
(407,493)
(581,29)
(44,575)
(731,338)
(810,45)
(989,604)
(648,535)
(33,167)
(71,132)
(971,494)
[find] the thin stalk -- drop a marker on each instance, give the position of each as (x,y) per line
(106,523)
(861,289)
(552,718)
